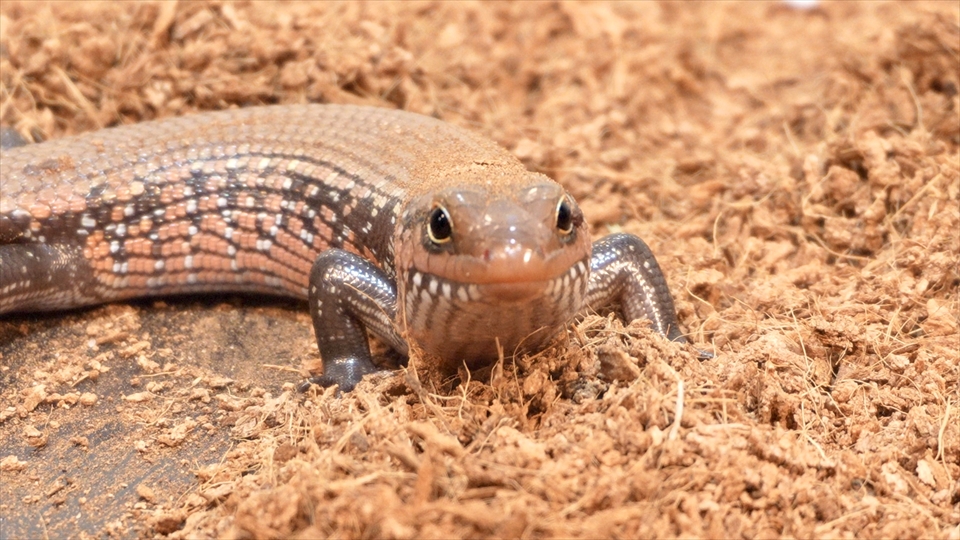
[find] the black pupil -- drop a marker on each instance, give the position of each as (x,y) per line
(440,224)
(564,217)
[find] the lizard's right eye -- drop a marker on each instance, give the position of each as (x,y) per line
(439,226)
(564,216)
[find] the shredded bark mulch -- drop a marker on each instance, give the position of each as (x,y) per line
(796,171)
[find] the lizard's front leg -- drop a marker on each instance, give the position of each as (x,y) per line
(625,275)
(348,296)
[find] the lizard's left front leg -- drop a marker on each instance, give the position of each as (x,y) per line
(625,275)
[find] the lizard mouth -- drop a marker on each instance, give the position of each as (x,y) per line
(497,288)
(475,321)
(506,264)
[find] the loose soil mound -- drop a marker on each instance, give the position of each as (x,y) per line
(797,173)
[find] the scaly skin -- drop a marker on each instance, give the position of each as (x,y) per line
(385,221)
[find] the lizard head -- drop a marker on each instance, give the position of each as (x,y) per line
(491,264)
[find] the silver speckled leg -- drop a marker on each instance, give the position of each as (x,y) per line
(349,294)
(625,275)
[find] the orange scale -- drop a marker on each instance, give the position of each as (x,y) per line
(95,237)
(175,176)
(248,262)
(137,188)
(138,246)
(321,226)
(223,263)
(104,264)
(212,244)
(248,240)
(250,180)
(101,250)
(321,243)
(26,199)
(247,221)
(272,202)
(199,261)
(305,254)
(327,214)
(123,194)
(299,260)
(77,205)
(260,262)
(175,264)
(200,240)
(167,195)
(59,206)
(136,282)
(215,262)
(268,223)
(210,223)
(243,259)
(282,238)
(204,242)
(253,278)
(206,204)
(47,195)
(277,181)
(140,265)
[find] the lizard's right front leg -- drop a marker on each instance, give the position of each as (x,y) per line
(349,295)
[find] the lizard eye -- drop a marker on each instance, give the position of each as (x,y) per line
(439,226)
(564,216)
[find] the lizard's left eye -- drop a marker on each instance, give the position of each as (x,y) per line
(439,226)
(564,216)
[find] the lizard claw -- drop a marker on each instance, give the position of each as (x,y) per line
(345,373)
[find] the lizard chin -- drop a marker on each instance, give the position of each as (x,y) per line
(473,322)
